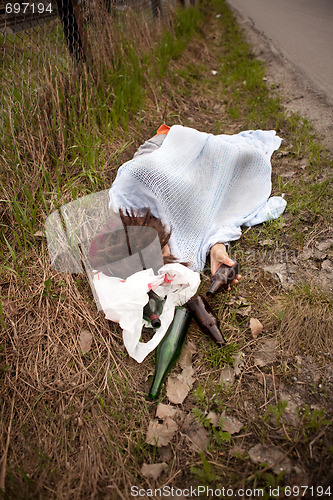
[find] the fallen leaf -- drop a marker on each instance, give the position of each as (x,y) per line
(214,418)
(256,327)
(266,353)
(230,424)
(280,154)
(325,275)
(40,234)
(153,471)
(291,412)
(287,174)
(197,434)
(268,380)
(244,307)
(9,307)
(283,273)
(267,243)
(239,363)
(306,254)
(199,438)
(270,455)
(237,451)
(165,453)
(327,266)
(324,245)
(227,375)
(161,434)
(186,376)
(238,301)
(176,390)
(244,311)
(178,387)
(186,355)
(163,411)
(85,341)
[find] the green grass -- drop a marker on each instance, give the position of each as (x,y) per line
(248,99)
(64,147)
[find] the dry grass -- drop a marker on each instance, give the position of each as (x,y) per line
(303,320)
(65,413)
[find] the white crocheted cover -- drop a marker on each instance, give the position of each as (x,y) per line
(204,186)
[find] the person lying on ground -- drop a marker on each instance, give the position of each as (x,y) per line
(198,190)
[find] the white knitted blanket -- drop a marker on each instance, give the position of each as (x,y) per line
(204,186)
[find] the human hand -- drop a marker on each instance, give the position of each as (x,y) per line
(219,256)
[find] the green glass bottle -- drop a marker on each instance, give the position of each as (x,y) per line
(153,309)
(169,349)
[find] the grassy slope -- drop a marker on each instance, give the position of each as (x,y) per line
(74,425)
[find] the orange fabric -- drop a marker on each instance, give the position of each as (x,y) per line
(163,129)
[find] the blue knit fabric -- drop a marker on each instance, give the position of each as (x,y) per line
(204,187)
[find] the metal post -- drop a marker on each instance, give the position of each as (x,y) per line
(72,22)
(156,8)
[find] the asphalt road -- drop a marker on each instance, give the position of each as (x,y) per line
(302,30)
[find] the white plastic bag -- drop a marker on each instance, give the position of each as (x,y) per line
(123,301)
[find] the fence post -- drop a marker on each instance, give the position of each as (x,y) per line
(156,8)
(72,22)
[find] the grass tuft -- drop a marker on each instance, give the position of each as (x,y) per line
(303,318)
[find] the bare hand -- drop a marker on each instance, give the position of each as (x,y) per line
(219,256)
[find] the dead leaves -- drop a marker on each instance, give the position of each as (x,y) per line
(271,455)
(9,307)
(227,375)
(168,420)
(266,353)
(256,327)
(161,434)
(225,422)
(153,471)
(178,387)
(176,390)
(230,424)
(196,433)
(85,341)
(241,305)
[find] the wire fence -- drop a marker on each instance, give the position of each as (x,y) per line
(43,39)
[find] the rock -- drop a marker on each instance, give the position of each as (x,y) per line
(271,455)
(227,375)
